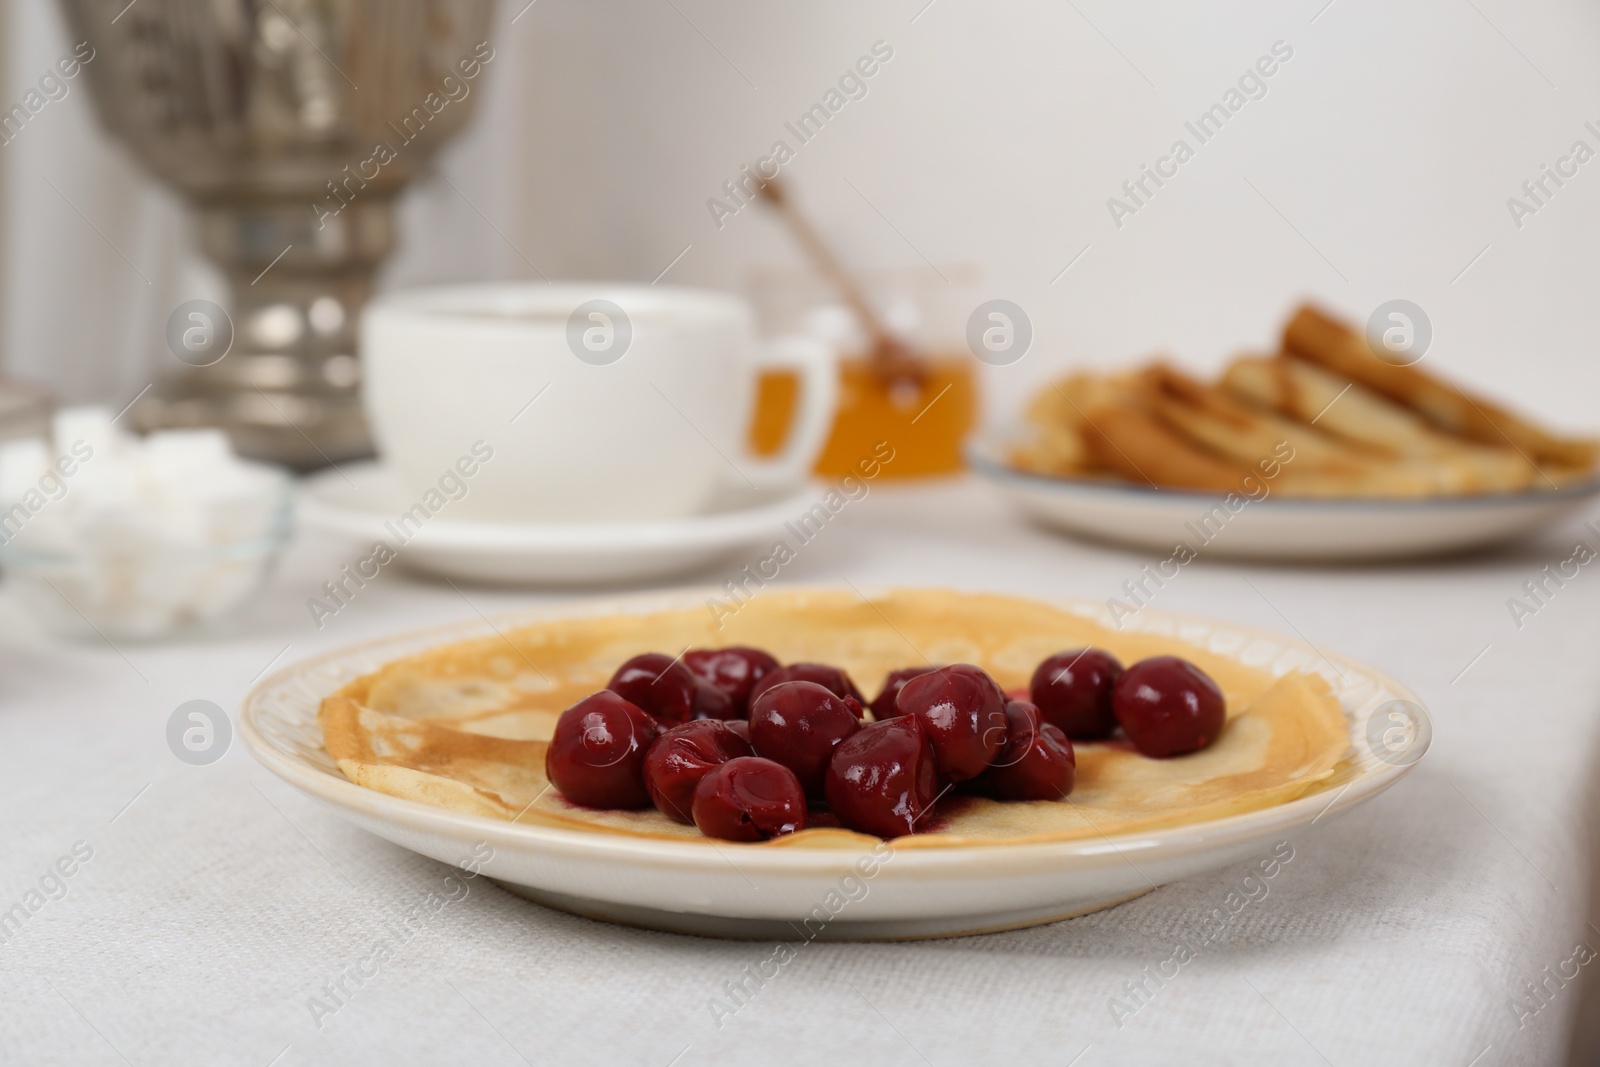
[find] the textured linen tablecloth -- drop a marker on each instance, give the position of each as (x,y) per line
(1431,926)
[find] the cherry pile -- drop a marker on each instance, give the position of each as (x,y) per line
(747,749)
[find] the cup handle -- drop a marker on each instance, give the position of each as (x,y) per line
(817,366)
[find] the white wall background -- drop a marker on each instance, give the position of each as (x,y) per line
(1390,142)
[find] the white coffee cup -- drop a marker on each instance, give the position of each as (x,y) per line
(596,402)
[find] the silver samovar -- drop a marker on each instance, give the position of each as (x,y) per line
(292,125)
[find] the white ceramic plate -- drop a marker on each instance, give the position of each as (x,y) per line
(360,498)
(725,890)
(1275,528)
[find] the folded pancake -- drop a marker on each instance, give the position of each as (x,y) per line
(1088,424)
(1419,453)
(1358,426)
(1056,414)
(465,726)
(1320,338)
(1143,449)
(1242,431)
(1303,460)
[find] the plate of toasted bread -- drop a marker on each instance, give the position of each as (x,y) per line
(1328,450)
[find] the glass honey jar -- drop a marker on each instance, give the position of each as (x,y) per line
(925,421)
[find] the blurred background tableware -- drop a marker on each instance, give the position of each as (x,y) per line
(108,536)
(926,417)
(365,503)
(582,402)
(902,338)
(890,357)
(1182,525)
(1338,447)
(24,410)
(291,126)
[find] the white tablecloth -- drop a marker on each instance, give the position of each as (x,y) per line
(216,903)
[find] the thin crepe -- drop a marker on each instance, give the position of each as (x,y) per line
(465,726)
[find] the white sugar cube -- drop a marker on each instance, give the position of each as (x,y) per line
(141,533)
(189,449)
(22,464)
(89,425)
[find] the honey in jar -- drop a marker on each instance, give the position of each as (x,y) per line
(925,423)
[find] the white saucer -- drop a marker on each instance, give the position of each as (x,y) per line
(1275,528)
(742,891)
(358,500)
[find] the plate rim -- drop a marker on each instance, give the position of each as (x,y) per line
(720,529)
(346,795)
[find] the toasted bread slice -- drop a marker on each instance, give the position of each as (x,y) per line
(1348,410)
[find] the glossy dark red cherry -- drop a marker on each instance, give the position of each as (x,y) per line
(734,671)
(883,705)
(1072,691)
(682,756)
(832,679)
(964,714)
(1037,762)
(798,724)
(749,799)
(882,779)
(659,684)
(596,756)
(712,703)
(1167,706)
